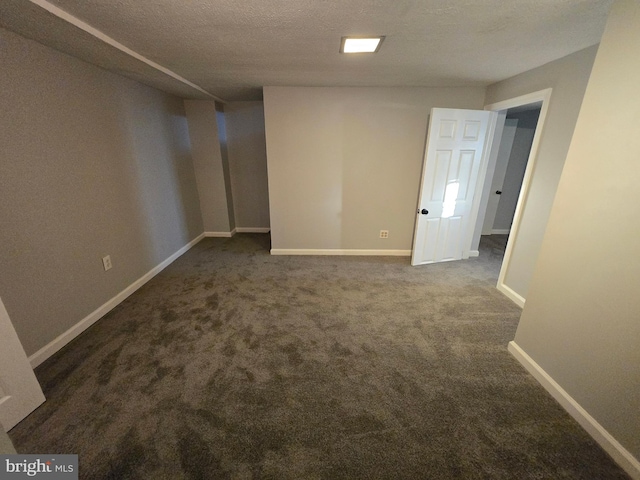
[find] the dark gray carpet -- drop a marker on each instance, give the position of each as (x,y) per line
(496,243)
(235,364)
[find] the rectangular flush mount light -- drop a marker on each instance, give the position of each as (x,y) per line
(360,44)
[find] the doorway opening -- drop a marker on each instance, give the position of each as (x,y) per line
(509,171)
(511,163)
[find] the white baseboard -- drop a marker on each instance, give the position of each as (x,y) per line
(336,251)
(620,454)
(511,294)
(61,340)
(474,253)
(237,230)
(500,231)
(220,234)
(253,229)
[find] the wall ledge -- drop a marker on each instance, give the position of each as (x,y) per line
(336,251)
(237,230)
(620,455)
(253,229)
(220,234)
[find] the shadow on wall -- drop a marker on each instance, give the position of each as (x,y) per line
(161,188)
(247,163)
(224,153)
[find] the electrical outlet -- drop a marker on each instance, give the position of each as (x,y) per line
(384,233)
(106,262)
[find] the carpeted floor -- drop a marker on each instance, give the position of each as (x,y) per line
(235,364)
(495,244)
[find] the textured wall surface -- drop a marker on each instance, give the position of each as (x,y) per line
(91,164)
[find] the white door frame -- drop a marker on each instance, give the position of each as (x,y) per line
(535,97)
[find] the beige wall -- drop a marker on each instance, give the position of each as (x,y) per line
(246,144)
(208,164)
(581,322)
(345,163)
(91,164)
(568,78)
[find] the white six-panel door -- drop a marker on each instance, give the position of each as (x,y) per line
(20,392)
(455,149)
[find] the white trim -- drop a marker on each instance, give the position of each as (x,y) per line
(253,229)
(620,455)
(511,294)
(500,231)
(64,338)
(336,251)
(474,253)
(540,96)
(221,234)
(76,22)
(533,97)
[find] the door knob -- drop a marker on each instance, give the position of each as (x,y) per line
(498,192)
(424,211)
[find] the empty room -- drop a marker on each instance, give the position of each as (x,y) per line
(311,240)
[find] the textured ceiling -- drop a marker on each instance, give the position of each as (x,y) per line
(232,48)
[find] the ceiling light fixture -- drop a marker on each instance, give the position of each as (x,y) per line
(360,44)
